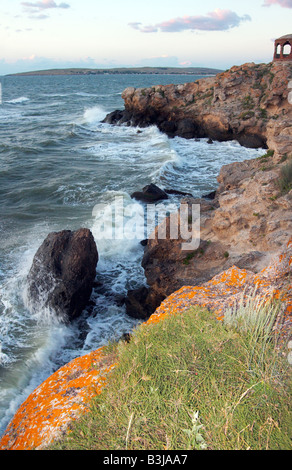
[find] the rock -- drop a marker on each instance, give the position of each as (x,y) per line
(176,192)
(57,402)
(210,195)
(252,141)
(247,222)
(187,129)
(150,193)
(63,272)
(140,303)
(117,117)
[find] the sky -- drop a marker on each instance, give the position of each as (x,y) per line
(44,34)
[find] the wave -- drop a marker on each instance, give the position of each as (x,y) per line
(20,99)
(94,115)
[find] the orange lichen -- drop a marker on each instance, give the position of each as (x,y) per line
(58,400)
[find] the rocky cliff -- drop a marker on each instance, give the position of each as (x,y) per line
(250,218)
(245,236)
(246,224)
(248,103)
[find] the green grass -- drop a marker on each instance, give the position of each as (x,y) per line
(191,382)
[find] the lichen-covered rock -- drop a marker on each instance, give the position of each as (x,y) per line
(223,290)
(62,274)
(59,400)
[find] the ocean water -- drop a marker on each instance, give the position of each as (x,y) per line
(58,163)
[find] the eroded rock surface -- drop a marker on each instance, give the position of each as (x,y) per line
(248,103)
(246,224)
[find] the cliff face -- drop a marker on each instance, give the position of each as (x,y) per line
(248,103)
(247,223)
(250,218)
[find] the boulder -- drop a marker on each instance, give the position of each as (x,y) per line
(63,272)
(150,193)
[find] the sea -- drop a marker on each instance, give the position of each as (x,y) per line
(58,163)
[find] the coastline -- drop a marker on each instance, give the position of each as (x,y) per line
(251,185)
(201,71)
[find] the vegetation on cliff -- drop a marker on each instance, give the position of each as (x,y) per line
(193,382)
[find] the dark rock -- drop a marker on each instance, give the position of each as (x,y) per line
(118,117)
(126,337)
(209,141)
(63,272)
(150,193)
(179,193)
(144,242)
(187,129)
(252,141)
(140,303)
(168,127)
(114,117)
(210,196)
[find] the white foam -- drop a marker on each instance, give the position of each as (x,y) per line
(21,99)
(94,115)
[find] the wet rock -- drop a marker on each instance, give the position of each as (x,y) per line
(62,273)
(150,193)
(176,192)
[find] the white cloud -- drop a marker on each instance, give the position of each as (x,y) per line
(218,20)
(282,3)
(44,5)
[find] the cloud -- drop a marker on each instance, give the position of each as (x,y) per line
(39,17)
(282,3)
(44,5)
(218,20)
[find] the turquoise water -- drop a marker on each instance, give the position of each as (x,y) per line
(57,162)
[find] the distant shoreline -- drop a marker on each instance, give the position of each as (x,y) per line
(203,71)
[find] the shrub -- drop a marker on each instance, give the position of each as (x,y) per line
(285,180)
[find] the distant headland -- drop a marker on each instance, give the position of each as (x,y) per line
(124,70)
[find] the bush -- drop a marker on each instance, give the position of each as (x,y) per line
(285,180)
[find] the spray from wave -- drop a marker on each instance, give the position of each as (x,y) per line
(93,116)
(21,99)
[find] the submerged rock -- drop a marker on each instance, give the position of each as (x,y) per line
(63,272)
